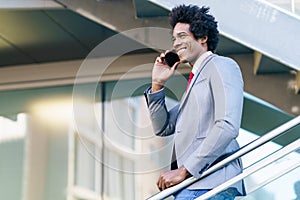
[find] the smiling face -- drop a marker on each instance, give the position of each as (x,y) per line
(188,48)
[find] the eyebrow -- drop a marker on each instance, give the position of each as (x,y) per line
(182,33)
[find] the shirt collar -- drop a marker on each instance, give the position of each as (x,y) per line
(199,61)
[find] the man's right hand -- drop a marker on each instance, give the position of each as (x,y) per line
(161,73)
(173,177)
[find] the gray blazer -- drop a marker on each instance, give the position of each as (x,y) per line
(206,122)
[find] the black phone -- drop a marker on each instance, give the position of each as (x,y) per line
(171,58)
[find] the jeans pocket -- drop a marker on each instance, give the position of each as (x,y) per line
(228,194)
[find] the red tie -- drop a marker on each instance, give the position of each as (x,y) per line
(189,80)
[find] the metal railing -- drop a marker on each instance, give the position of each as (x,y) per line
(289,5)
(281,130)
(260,165)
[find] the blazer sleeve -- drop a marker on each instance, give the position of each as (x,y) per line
(226,85)
(163,121)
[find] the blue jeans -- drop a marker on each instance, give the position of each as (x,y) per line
(228,194)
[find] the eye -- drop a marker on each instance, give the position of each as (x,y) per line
(182,36)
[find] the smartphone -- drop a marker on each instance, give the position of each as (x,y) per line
(171,58)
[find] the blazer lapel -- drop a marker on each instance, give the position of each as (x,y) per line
(186,94)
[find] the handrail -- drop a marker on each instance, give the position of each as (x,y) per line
(261,164)
(241,152)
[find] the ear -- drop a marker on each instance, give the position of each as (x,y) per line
(203,39)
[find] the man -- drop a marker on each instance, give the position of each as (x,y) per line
(206,122)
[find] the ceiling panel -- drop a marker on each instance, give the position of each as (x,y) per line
(36,36)
(227,46)
(48,35)
(268,65)
(88,33)
(146,9)
(35,33)
(10,54)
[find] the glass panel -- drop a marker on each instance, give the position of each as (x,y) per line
(282,173)
(117,184)
(297,7)
(12,129)
(37,142)
(120,118)
(12,146)
(275,181)
(134,156)
(85,164)
(246,137)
